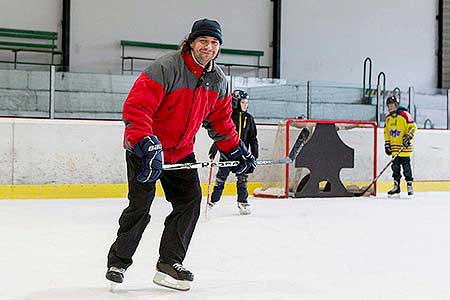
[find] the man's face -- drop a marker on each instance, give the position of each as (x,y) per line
(392,107)
(205,49)
(244,104)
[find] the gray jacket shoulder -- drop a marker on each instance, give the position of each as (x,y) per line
(170,59)
(163,69)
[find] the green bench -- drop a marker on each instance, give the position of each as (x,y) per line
(19,40)
(228,66)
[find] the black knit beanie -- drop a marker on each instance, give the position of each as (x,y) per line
(206,27)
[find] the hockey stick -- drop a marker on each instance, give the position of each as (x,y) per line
(227,164)
(382,171)
(208,197)
(299,143)
(222,164)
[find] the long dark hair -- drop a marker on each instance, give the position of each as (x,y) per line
(185,45)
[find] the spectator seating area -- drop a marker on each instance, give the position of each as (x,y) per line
(20,40)
(126,44)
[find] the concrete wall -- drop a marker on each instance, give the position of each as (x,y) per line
(90,152)
(33,15)
(321,40)
(101,96)
(98,26)
(329,40)
(86,95)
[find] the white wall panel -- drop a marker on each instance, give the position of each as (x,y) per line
(321,40)
(329,40)
(98,26)
(44,15)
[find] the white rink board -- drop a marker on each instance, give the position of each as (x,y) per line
(65,152)
(34,151)
(6,157)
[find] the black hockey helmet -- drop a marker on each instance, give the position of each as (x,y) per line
(237,96)
(392,99)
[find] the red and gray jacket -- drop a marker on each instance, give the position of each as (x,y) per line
(171,99)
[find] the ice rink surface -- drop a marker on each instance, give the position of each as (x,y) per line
(313,249)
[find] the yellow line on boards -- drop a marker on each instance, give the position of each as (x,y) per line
(67,191)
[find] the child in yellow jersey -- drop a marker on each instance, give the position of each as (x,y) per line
(399,130)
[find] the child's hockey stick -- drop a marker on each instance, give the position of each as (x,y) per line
(363,193)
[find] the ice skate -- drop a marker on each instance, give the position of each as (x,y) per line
(409,187)
(115,276)
(244,208)
(173,276)
(395,191)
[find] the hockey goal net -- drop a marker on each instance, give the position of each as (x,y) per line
(282,181)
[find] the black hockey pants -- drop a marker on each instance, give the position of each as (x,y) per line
(182,190)
(404,162)
(241,185)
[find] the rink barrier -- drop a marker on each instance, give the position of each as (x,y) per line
(71,191)
(84,158)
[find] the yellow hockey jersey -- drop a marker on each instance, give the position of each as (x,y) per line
(397,125)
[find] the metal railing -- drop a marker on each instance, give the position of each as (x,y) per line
(52,94)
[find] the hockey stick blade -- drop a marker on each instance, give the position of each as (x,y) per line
(364,193)
(299,143)
(281,161)
(223,164)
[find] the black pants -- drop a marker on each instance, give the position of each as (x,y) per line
(182,190)
(404,162)
(241,185)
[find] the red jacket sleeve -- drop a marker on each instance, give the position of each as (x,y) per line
(139,107)
(220,126)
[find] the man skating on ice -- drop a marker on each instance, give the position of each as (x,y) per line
(246,128)
(399,130)
(165,108)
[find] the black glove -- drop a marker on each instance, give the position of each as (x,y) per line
(149,150)
(407,140)
(387,149)
(247,162)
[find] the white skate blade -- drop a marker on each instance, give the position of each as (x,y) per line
(165,280)
(244,210)
(117,287)
(394,196)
